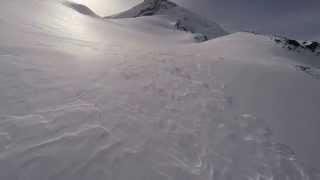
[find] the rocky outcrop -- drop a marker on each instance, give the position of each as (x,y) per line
(82,9)
(146,8)
(298,46)
(154,6)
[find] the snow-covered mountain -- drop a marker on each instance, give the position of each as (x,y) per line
(85,98)
(175,17)
(149,8)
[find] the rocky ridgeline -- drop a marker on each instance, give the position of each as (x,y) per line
(181,18)
(152,7)
(298,46)
(82,9)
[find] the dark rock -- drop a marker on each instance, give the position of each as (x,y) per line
(179,25)
(293,43)
(302,68)
(82,9)
(154,6)
(201,37)
(296,46)
(313,46)
(277,40)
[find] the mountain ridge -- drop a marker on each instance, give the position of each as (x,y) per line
(146,8)
(181,18)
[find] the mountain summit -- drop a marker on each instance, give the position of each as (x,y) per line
(148,8)
(178,17)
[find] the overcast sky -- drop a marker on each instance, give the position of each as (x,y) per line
(294,18)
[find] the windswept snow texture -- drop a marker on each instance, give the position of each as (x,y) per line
(176,17)
(88,99)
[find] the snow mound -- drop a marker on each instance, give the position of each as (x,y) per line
(179,18)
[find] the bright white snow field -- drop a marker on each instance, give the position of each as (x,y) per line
(83,98)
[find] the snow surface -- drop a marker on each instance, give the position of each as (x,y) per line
(85,98)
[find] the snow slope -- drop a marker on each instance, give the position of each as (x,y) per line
(85,98)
